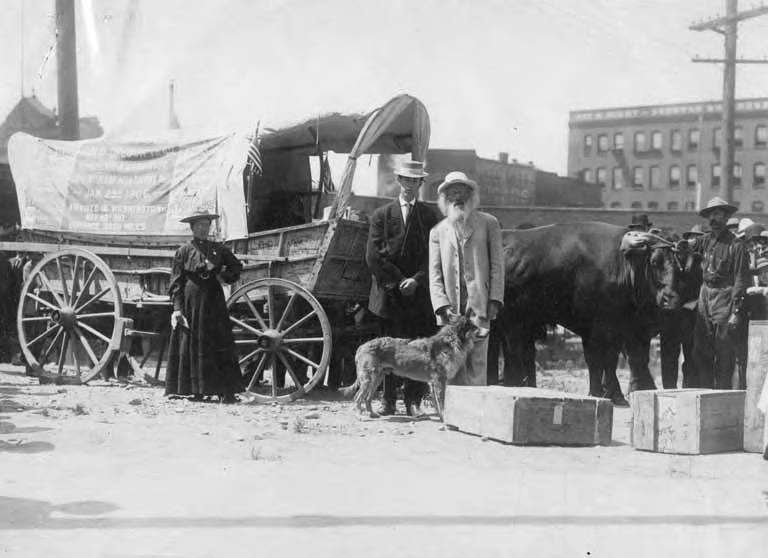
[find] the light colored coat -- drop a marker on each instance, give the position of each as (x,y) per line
(483,265)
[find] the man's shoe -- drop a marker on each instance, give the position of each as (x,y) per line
(388,408)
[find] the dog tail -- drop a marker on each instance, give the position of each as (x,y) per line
(350,390)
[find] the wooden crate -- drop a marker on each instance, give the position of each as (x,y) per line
(688,421)
(529,416)
(757,369)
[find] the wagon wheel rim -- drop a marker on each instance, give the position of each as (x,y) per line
(68,318)
(279,325)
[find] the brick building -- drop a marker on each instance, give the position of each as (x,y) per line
(655,157)
(504,183)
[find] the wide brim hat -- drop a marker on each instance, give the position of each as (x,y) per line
(200,213)
(696,230)
(456,177)
(717,203)
(411,169)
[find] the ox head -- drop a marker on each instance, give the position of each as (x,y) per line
(655,266)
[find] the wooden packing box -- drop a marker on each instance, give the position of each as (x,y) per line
(688,421)
(757,369)
(529,416)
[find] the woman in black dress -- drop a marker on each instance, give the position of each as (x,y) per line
(201,358)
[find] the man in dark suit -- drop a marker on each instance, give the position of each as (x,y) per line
(397,254)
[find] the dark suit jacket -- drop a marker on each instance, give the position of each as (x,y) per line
(396,252)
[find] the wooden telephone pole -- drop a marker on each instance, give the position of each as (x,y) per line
(728,26)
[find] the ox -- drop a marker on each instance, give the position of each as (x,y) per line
(578,276)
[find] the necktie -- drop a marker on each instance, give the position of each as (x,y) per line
(407,212)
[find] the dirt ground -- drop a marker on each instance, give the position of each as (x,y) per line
(111,470)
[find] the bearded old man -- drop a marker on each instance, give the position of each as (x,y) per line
(466,268)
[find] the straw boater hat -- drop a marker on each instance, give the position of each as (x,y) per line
(761,263)
(695,231)
(717,203)
(411,169)
(456,177)
(640,222)
(199,213)
(733,223)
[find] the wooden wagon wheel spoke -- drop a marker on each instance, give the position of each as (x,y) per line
(299,384)
(43,334)
(245,326)
(294,340)
(93,299)
(271,306)
(64,288)
(86,345)
(302,358)
(63,353)
(85,286)
(84,327)
(286,311)
(51,346)
(255,312)
(47,286)
(272,364)
(250,355)
(96,315)
(256,373)
(300,322)
(94,331)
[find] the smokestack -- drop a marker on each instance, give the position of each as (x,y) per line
(504,157)
(173,121)
(66,60)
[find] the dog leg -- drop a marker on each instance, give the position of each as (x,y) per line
(438,394)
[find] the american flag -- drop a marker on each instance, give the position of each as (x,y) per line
(326,181)
(254,163)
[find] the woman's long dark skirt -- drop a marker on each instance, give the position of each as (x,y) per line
(202,359)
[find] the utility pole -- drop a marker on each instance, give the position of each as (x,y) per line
(729,26)
(66,59)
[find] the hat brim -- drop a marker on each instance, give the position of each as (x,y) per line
(193,218)
(634,226)
(468,182)
(728,208)
(409,174)
(689,234)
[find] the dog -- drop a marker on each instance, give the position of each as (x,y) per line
(434,360)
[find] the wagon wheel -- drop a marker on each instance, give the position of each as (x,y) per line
(283,338)
(69,315)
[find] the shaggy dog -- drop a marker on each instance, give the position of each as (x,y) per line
(435,359)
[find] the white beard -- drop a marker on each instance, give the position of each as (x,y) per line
(457,216)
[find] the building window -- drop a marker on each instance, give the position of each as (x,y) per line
(674,177)
(601,177)
(602,143)
(587,145)
(717,138)
(715,176)
(656,141)
(736,204)
(618,140)
(690,206)
(637,177)
(691,176)
(639,141)
(636,205)
(615,205)
(673,206)
(587,173)
(653,177)
(652,205)
(758,175)
(738,136)
(618,178)
(761,135)
(694,137)
(737,175)
(676,140)
(757,206)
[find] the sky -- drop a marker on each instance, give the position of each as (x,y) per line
(495,75)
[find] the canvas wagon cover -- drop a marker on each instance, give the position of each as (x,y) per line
(109,187)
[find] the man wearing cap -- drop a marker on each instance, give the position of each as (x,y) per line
(725,269)
(677,325)
(397,254)
(466,266)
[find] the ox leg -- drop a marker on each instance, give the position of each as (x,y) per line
(594,364)
(494,348)
(514,367)
(638,354)
(611,386)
